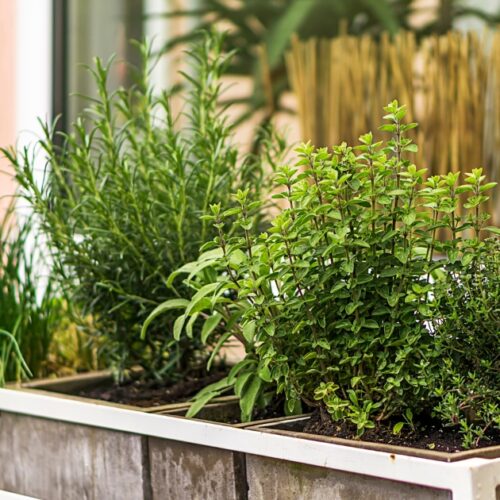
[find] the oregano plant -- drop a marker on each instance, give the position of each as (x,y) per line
(335,302)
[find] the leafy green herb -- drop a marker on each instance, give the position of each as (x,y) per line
(123,198)
(334,303)
(30,308)
(467,329)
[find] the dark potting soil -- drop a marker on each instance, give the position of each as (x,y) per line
(275,409)
(429,435)
(144,394)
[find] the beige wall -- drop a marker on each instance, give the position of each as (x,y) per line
(7,92)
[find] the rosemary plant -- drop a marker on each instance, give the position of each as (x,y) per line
(122,200)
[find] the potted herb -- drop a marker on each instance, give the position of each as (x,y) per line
(30,306)
(122,199)
(358,302)
(342,288)
(466,325)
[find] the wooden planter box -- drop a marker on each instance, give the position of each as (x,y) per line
(57,447)
(283,480)
(62,460)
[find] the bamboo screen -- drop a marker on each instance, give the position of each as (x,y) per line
(450,83)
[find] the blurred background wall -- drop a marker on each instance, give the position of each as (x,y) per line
(7,92)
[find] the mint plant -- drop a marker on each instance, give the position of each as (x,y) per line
(334,303)
(122,199)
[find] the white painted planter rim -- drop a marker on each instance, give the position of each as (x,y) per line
(470,479)
(6,495)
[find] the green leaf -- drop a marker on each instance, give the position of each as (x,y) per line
(348,267)
(488,186)
(409,219)
(178,325)
(249,397)
(241,381)
(467,259)
(310,355)
(197,302)
(388,128)
(190,325)
(323,344)
(269,329)
(238,367)
(463,189)
(351,307)
(249,331)
(398,427)
(193,268)
(236,258)
(409,414)
(199,404)
(218,347)
(206,395)
(412,148)
(265,374)
(361,243)
(390,234)
(353,397)
(401,254)
(343,324)
(389,271)
(392,300)
(160,310)
(210,325)
(279,35)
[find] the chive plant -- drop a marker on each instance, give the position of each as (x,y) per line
(29,303)
(123,197)
(11,357)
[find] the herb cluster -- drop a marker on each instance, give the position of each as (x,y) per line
(30,306)
(340,304)
(467,329)
(122,199)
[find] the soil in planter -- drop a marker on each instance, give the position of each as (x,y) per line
(151,393)
(275,409)
(429,435)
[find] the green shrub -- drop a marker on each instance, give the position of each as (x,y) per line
(334,302)
(122,201)
(29,305)
(467,328)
